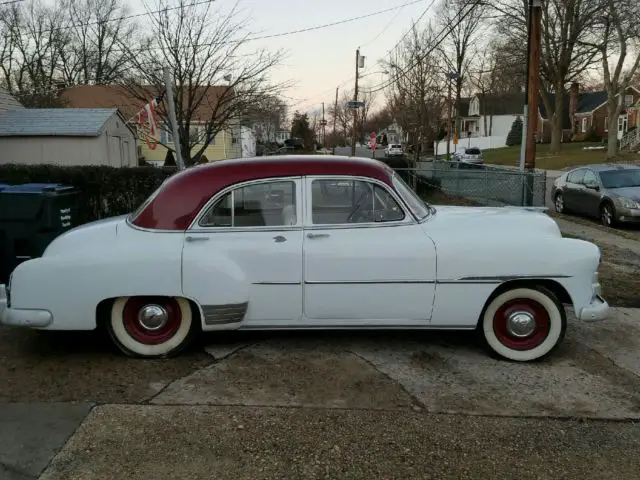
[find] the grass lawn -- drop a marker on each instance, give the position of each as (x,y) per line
(572,155)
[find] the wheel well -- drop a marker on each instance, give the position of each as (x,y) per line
(606,201)
(554,287)
(103,311)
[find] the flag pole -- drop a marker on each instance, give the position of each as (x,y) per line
(172,117)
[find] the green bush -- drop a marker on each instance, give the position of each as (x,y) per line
(103,191)
(514,137)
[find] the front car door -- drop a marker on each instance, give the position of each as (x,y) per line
(367,262)
(242,257)
(572,189)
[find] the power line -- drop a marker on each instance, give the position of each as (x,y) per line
(384,29)
(10,2)
(433,47)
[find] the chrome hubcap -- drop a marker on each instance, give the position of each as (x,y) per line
(606,215)
(521,324)
(559,203)
(153,317)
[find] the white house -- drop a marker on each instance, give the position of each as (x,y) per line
(486,120)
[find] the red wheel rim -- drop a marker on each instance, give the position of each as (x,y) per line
(149,329)
(528,338)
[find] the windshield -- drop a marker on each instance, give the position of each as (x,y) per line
(473,151)
(411,198)
(620,178)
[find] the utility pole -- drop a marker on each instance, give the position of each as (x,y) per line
(355,110)
(335,116)
(168,83)
(449,121)
(324,130)
(533,88)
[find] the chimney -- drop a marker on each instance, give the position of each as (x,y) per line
(573,103)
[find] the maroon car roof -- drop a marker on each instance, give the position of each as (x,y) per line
(182,196)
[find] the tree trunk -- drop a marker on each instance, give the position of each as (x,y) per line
(613,108)
(556,123)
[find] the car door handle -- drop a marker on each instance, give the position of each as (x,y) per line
(279,239)
(317,235)
(196,239)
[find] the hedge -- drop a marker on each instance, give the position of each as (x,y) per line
(104,191)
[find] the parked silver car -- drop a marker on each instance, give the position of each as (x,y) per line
(610,192)
(468,155)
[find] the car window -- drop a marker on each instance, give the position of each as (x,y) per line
(410,197)
(628,177)
(575,176)
(589,178)
(267,204)
(472,151)
(338,202)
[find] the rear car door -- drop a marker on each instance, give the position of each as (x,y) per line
(588,197)
(572,190)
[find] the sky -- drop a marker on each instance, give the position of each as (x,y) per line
(320,60)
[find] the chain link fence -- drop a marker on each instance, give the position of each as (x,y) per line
(483,184)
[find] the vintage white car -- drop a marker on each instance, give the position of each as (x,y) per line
(307,242)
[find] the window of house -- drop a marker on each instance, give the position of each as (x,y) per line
(606,124)
(266,204)
(628,100)
(584,125)
(197,133)
(234,139)
(166,137)
(339,202)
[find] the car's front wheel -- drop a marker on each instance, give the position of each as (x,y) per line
(607,215)
(151,327)
(524,323)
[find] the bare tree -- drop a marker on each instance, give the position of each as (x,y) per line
(565,56)
(343,117)
(92,38)
(215,85)
(31,52)
(369,98)
(266,117)
(617,38)
(417,91)
(458,48)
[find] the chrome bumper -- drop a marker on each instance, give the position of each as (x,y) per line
(19,317)
(598,309)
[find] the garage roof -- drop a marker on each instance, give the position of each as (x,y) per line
(52,122)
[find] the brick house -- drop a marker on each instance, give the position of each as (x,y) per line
(588,110)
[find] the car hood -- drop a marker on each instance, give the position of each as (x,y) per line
(89,235)
(627,192)
(490,221)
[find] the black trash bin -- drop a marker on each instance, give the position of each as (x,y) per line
(31,216)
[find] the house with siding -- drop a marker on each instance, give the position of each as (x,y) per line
(586,111)
(226,144)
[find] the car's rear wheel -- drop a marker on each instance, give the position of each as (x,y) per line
(558,203)
(151,327)
(524,323)
(607,215)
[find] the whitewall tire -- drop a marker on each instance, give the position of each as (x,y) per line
(151,327)
(523,324)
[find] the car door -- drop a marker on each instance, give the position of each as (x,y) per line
(588,197)
(242,257)
(571,191)
(367,262)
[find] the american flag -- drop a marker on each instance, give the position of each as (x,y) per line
(147,120)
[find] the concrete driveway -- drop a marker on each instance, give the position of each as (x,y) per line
(334,405)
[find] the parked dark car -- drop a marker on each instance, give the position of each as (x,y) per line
(609,192)
(294,143)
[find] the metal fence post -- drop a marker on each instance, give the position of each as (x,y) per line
(486,186)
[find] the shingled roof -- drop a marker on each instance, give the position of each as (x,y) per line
(55,122)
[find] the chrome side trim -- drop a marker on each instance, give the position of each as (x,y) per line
(506,278)
(276,283)
(224,314)
(370,282)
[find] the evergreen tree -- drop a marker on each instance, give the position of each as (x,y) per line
(515,134)
(169,159)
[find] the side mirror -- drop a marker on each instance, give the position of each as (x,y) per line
(593,186)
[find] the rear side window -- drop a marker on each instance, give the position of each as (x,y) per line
(576,177)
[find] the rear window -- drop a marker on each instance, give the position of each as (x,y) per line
(473,151)
(396,146)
